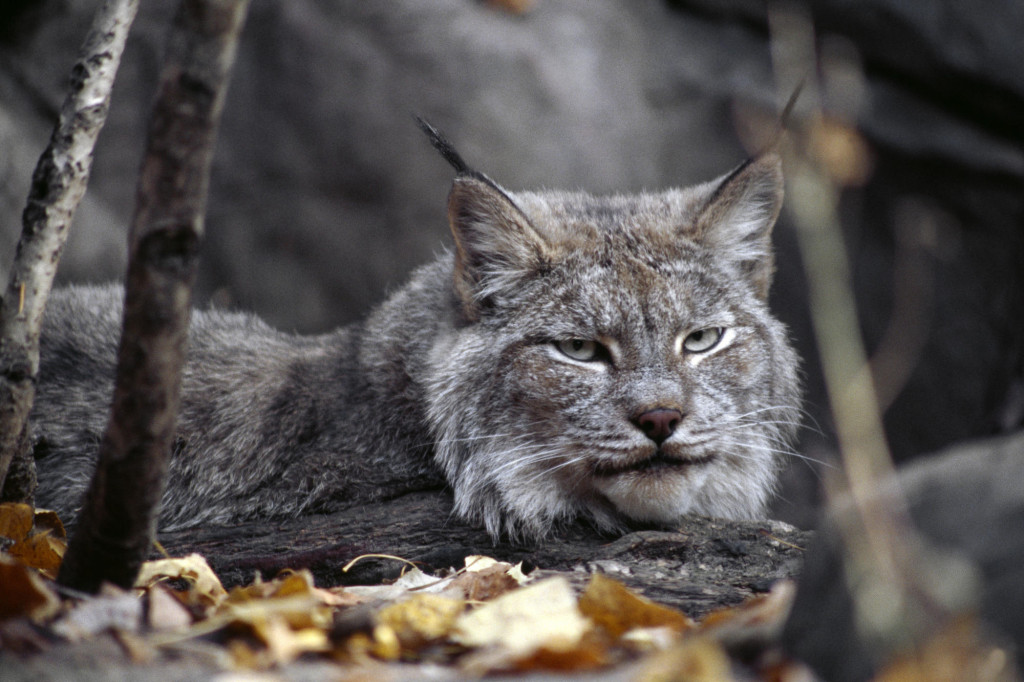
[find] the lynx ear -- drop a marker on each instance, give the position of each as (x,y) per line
(738,215)
(495,244)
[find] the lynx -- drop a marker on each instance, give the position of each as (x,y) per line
(609,358)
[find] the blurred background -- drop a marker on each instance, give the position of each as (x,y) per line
(325,195)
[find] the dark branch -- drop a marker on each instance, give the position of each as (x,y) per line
(118,518)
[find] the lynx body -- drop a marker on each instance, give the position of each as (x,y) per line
(611,358)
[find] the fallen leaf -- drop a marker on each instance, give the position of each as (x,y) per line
(383,644)
(617,609)
(206,587)
(24,593)
(42,551)
(298,611)
(285,644)
(488,583)
(15,520)
(763,611)
(421,619)
(413,579)
(539,616)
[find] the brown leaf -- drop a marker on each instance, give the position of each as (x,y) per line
(486,583)
(42,551)
(15,520)
(762,611)
(614,607)
(24,593)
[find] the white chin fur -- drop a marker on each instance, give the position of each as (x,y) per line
(664,498)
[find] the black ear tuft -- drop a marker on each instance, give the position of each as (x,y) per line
(444,147)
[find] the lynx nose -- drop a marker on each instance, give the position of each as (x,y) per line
(658,424)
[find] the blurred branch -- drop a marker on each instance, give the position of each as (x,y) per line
(58,184)
(118,519)
(898,585)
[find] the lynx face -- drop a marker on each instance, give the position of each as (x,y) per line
(615,357)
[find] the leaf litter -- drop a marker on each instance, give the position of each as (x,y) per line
(484,618)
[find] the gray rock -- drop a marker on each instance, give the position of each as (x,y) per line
(968,504)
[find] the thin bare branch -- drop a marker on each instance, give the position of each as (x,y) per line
(58,184)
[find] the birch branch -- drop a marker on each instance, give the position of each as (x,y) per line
(58,184)
(118,519)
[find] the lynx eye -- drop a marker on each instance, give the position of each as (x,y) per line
(703,340)
(579,349)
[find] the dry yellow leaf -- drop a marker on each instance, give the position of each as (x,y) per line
(385,644)
(617,609)
(285,644)
(24,593)
(539,616)
(291,583)
(206,585)
(15,520)
(42,551)
(298,611)
(421,619)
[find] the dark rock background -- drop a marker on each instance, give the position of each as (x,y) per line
(325,195)
(967,503)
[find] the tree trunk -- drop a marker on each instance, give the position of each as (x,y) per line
(58,184)
(118,517)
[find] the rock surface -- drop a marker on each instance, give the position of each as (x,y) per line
(968,504)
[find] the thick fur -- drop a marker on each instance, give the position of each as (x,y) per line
(459,379)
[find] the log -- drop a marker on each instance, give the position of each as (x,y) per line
(698,566)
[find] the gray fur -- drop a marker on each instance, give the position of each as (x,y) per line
(456,379)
